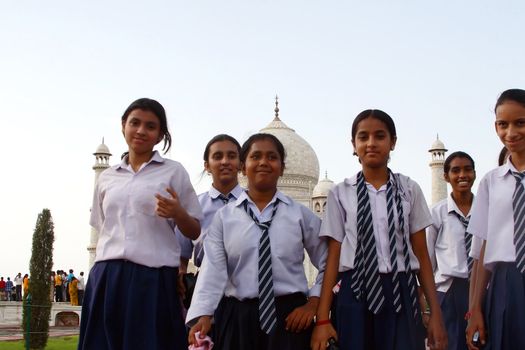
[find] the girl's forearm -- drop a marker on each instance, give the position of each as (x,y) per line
(330,279)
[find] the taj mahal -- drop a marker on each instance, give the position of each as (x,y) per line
(301,176)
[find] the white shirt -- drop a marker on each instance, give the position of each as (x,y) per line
(340,222)
(210,203)
(230,265)
(124,214)
(493,217)
(80,284)
(446,244)
(18,281)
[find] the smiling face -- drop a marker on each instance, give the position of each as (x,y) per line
(263,166)
(373,143)
(510,126)
(223,163)
(461,175)
(141,130)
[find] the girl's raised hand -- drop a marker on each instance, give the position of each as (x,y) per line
(168,207)
(320,336)
(203,326)
(437,336)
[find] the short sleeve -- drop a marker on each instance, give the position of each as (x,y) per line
(334,221)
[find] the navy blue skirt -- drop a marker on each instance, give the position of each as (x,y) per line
(131,306)
(237,326)
(359,329)
(505,308)
(454,305)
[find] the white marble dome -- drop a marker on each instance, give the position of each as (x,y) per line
(102,149)
(437,145)
(323,187)
(301,172)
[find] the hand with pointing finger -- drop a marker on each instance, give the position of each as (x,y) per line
(168,207)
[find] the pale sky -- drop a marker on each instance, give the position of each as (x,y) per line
(68,70)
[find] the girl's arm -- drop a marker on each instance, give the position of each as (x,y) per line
(437,336)
(476,323)
(324,331)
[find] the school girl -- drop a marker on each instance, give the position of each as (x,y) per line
(131,298)
(375,223)
(497,218)
(221,161)
(449,246)
(252,278)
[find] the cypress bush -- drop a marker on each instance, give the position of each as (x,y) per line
(38,309)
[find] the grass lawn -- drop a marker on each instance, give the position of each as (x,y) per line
(63,343)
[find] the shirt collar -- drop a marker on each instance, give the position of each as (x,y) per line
(278,195)
(453,207)
(156,157)
(235,192)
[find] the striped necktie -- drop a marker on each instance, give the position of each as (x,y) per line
(225,199)
(406,256)
(365,281)
(267,312)
(468,241)
(396,292)
(518,206)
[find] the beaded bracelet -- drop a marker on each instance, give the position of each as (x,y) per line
(322,322)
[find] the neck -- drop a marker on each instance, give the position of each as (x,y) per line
(261,198)
(377,177)
(224,188)
(518,160)
(463,200)
(136,160)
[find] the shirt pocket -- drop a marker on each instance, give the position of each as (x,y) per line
(143,199)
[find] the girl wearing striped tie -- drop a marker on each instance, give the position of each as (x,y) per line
(449,245)
(252,277)
(498,217)
(221,161)
(375,223)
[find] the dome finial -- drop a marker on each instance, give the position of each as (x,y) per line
(276,108)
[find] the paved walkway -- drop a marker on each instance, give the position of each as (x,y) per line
(11,333)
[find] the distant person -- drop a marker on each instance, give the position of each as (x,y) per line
(137,205)
(2,289)
(81,287)
(25,284)
(8,289)
(18,286)
(73,291)
(58,286)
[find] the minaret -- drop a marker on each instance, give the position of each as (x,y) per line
(439,186)
(102,155)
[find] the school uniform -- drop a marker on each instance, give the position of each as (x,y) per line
(210,202)
(447,248)
(357,326)
(228,283)
(492,220)
(137,256)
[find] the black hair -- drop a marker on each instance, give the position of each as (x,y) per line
(258,137)
(219,138)
(147,104)
(454,155)
(516,95)
(377,114)
(503,155)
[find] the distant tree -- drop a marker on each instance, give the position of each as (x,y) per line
(40,284)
